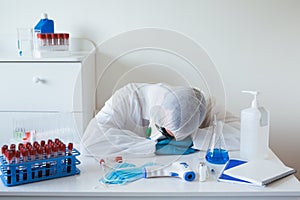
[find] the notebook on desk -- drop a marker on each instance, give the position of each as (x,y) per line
(259,173)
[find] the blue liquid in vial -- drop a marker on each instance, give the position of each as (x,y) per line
(217,156)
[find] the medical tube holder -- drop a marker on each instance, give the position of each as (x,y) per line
(38,170)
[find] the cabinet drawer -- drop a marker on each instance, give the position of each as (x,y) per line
(40,86)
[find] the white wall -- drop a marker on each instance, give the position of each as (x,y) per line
(255,44)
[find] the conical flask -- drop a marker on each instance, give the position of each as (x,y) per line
(216,152)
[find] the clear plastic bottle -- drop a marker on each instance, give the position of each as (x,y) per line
(254,131)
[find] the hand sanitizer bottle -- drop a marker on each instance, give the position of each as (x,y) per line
(254,131)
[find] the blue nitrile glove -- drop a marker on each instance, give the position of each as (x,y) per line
(172,147)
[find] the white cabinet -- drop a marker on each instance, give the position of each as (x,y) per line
(46,87)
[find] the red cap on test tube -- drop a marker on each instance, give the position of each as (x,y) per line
(48,151)
(62,149)
(43,143)
(12,147)
(28,145)
(57,141)
(41,35)
(24,153)
(66,35)
(35,144)
(18,154)
(4,149)
(10,155)
(70,148)
(20,146)
(55,150)
(50,142)
(118,159)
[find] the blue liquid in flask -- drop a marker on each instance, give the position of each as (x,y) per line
(217,156)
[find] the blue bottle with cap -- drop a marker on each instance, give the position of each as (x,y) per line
(45,25)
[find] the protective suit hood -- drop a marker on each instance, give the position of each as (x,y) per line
(181,111)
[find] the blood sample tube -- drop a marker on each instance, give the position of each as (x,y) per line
(49,41)
(48,155)
(48,151)
(40,152)
(24,153)
(32,154)
(70,148)
(54,39)
(17,155)
(28,145)
(12,147)
(4,149)
(32,158)
(43,143)
(69,161)
(66,39)
(62,149)
(17,160)
(20,146)
(50,142)
(57,141)
(9,157)
(36,144)
(61,39)
(55,150)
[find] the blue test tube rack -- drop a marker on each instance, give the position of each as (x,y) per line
(38,170)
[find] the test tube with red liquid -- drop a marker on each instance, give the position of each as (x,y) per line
(69,161)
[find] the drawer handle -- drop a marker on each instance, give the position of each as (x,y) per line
(36,79)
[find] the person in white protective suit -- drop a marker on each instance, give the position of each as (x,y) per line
(142,119)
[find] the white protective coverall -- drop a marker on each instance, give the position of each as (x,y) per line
(120,126)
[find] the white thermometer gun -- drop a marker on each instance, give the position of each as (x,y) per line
(177,169)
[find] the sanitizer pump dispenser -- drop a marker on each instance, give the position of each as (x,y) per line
(254,131)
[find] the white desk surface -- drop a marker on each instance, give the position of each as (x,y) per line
(87,186)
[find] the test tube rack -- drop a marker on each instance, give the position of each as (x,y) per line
(13,174)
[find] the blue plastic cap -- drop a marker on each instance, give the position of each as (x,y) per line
(144,173)
(189,176)
(174,174)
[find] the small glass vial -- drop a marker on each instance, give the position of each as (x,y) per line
(202,171)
